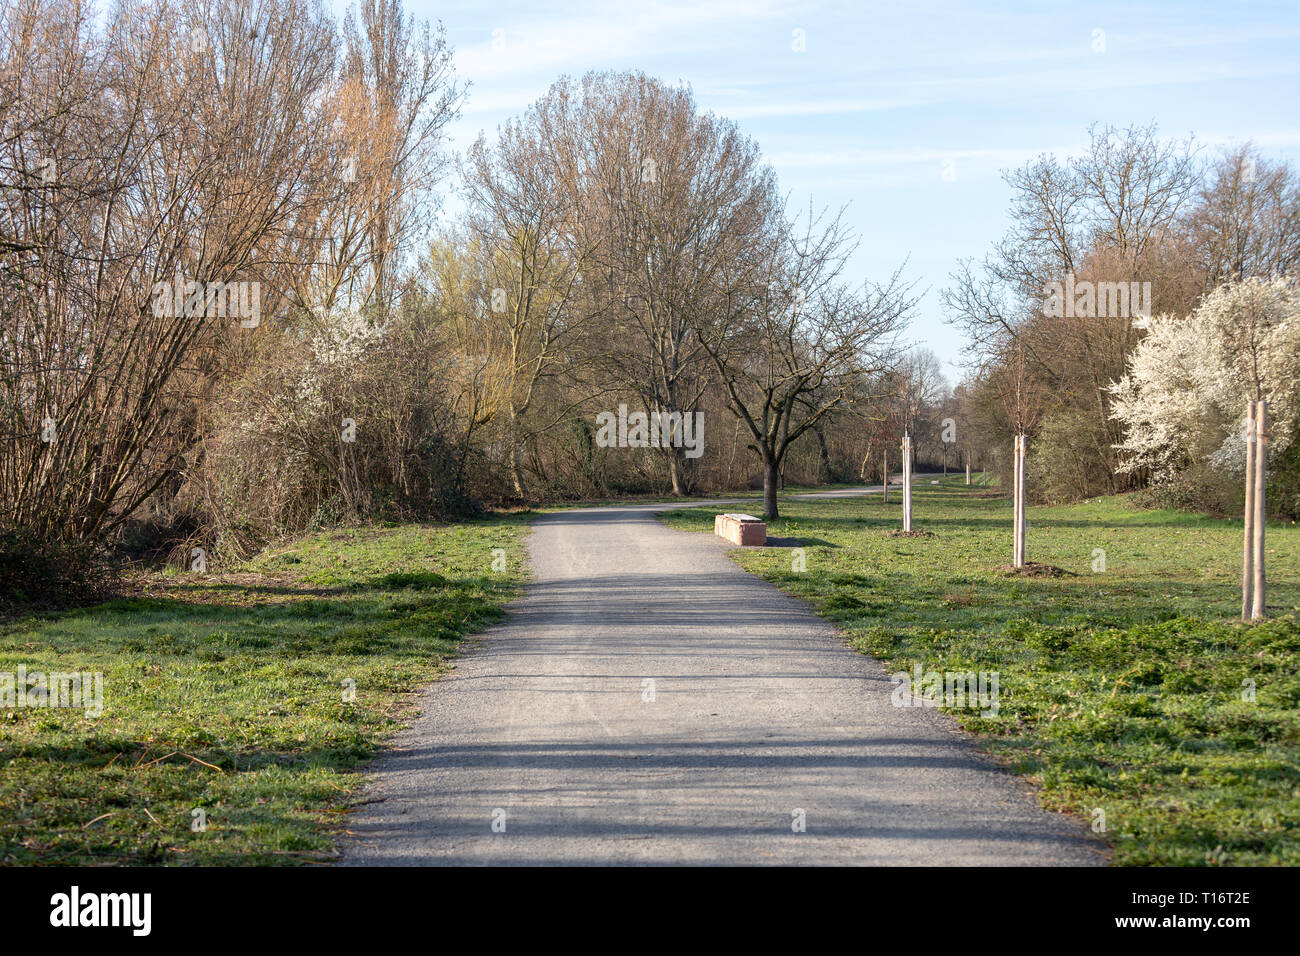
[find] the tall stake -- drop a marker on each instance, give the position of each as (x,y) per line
(1024,497)
(1015,506)
(1261,470)
(1248,547)
(884,467)
(968,468)
(907,482)
(1018,478)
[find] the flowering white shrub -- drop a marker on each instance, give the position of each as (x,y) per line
(339,341)
(1184,397)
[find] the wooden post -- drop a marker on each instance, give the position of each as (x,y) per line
(967,468)
(1018,545)
(1024,498)
(902,471)
(884,481)
(1248,548)
(1015,501)
(1261,470)
(907,482)
(1015,505)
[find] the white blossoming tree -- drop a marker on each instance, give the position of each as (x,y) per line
(1183,400)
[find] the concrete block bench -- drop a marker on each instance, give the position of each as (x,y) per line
(745,530)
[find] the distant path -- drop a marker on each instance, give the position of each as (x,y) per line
(759,709)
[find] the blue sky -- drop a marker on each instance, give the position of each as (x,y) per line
(887,98)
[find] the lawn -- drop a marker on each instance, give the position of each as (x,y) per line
(238,705)
(1133,690)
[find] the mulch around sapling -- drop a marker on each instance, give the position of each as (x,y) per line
(900,533)
(1033,569)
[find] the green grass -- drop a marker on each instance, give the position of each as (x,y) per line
(651,499)
(1120,690)
(225,693)
(742,494)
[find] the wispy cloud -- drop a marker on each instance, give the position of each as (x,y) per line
(907,111)
(818,159)
(828,107)
(580,42)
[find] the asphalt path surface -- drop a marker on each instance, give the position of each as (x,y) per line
(648,702)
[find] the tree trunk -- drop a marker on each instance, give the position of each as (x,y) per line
(884,476)
(516,470)
(675,471)
(771,474)
(826,470)
(516,473)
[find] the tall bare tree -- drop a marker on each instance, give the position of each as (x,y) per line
(797,332)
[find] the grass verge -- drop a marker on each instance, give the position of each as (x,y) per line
(1130,690)
(227,694)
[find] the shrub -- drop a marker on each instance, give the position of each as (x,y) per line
(36,573)
(346,423)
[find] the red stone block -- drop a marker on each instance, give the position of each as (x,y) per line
(741,529)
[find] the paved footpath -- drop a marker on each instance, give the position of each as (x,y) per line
(546,726)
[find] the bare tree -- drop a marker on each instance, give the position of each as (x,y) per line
(171,164)
(681,197)
(395,95)
(1247,220)
(800,331)
(526,216)
(1114,215)
(174,155)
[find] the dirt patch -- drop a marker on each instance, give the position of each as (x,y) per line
(1033,569)
(799,543)
(900,533)
(218,588)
